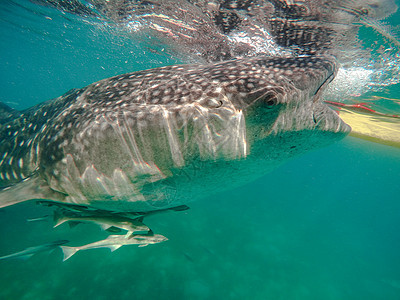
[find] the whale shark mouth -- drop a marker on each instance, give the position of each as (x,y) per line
(323,116)
(321,88)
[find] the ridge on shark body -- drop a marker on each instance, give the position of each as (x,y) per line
(158,138)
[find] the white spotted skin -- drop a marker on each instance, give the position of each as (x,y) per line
(166,136)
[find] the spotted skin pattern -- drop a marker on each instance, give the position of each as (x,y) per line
(130,138)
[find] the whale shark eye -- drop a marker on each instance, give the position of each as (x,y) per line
(270,101)
(364,11)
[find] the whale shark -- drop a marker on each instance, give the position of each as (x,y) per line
(162,137)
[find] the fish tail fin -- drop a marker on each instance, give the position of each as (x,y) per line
(7,113)
(68,251)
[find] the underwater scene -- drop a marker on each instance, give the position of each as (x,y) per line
(230,149)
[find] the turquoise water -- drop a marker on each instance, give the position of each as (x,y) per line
(323,226)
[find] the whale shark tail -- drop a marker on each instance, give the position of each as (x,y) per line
(7,113)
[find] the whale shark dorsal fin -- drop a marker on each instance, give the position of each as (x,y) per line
(7,113)
(29,188)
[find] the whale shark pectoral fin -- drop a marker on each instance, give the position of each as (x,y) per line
(30,188)
(7,113)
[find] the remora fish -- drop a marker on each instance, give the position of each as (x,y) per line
(113,242)
(28,252)
(157,138)
(86,210)
(105,222)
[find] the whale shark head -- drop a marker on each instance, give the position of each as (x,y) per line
(278,95)
(155,137)
(284,106)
